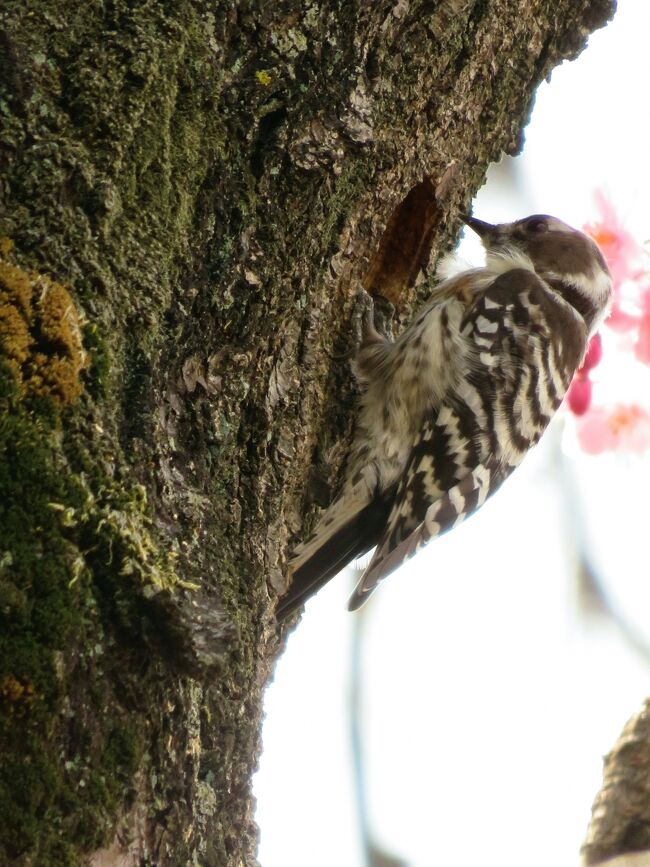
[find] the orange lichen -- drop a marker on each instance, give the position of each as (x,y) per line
(40,335)
(14,694)
(15,314)
(6,245)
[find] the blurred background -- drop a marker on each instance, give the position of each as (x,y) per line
(461,717)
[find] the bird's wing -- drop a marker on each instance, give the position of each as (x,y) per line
(528,346)
(404,536)
(354,522)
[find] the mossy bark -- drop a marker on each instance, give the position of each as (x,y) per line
(191,194)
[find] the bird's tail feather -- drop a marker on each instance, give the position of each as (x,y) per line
(446,512)
(329,552)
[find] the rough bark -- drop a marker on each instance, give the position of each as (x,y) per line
(191,192)
(620,822)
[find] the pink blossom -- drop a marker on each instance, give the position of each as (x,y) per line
(624,256)
(620,248)
(619,320)
(594,353)
(594,433)
(579,393)
(642,346)
(621,428)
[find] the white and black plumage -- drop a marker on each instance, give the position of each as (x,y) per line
(454,404)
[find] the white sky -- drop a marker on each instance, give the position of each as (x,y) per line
(590,128)
(489,698)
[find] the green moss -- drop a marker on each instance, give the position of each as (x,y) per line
(39,615)
(122,754)
(97,373)
(75,551)
(58,851)
(52,809)
(354,178)
(123,116)
(36,574)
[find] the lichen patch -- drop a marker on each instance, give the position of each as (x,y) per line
(40,334)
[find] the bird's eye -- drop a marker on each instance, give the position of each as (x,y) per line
(537,225)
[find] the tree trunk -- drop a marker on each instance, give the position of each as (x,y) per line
(620,823)
(191,194)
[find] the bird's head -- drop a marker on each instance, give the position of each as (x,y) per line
(566,258)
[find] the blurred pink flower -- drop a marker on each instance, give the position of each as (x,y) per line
(579,393)
(625,259)
(621,428)
(620,320)
(620,248)
(642,346)
(594,353)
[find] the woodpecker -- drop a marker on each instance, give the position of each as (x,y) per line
(452,406)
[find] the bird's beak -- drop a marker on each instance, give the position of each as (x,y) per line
(482,229)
